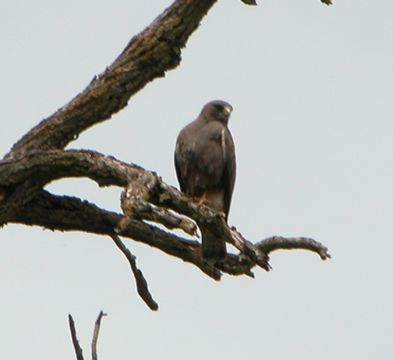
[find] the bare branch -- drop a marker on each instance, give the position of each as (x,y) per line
(282,243)
(143,186)
(38,158)
(169,219)
(75,342)
(147,56)
(146,197)
(46,166)
(247,248)
(95,335)
(65,213)
(135,204)
(24,176)
(141,283)
(147,187)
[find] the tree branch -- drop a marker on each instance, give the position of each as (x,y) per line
(147,56)
(144,189)
(148,187)
(95,335)
(38,158)
(141,283)
(24,176)
(66,213)
(50,165)
(75,342)
(281,243)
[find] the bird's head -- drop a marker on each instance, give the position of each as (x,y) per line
(217,110)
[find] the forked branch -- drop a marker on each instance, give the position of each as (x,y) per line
(75,341)
(39,158)
(146,197)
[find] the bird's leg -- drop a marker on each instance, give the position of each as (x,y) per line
(201,199)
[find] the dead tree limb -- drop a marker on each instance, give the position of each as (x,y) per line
(147,56)
(141,283)
(39,158)
(75,342)
(96,332)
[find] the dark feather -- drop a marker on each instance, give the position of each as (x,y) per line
(206,165)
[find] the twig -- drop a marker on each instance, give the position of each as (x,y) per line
(279,242)
(95,335)
(253,2)
(75,342)
(170,220)
(141,283)
(250,2)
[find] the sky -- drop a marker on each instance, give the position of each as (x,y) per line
(312,91)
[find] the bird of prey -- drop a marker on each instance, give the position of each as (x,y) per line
(206,166)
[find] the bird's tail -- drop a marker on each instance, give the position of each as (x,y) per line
(213,249)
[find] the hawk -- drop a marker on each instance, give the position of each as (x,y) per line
(206,166)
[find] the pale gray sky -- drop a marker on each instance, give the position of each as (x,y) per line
(312,89)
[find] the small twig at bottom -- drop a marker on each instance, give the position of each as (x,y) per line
(95,335)
(75,342)
(141,283)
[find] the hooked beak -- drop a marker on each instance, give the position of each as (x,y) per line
(228,109)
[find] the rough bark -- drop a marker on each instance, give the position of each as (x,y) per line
(39,158)
(147,56)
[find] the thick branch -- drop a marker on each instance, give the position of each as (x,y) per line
(147,187)
(148,56)
(46,166)
(144,187)
(66,213)
(21,178)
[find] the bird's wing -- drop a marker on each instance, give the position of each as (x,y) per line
(229,173)
(179,164)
